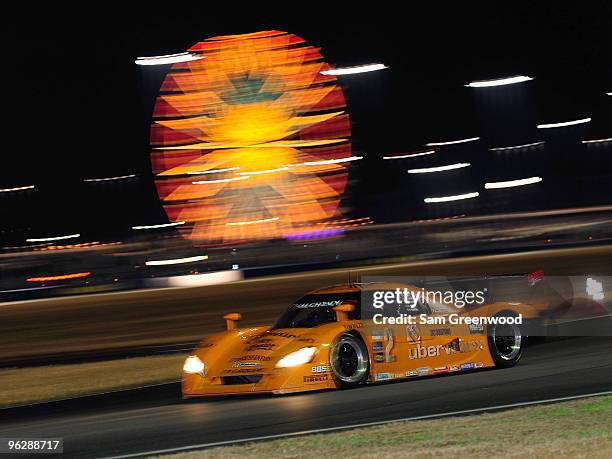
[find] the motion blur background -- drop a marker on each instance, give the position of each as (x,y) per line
(80,109)
(102,290)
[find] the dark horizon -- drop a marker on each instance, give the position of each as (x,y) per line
(80,108)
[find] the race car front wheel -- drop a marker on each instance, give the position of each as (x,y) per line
(506,341)
(349,360)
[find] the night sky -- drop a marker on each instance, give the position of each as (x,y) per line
(78,107)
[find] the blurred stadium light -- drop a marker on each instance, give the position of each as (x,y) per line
(564,123)
(499,82)
(167,59)
(354,70)
(410,155)
(109,179)
(176,261)
(456,197)
(451,142)
(53,238)
(516,147)
(161,225)
(609,139)
(513,183)
(19,188)
(448,167)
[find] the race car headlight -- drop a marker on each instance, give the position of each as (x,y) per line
(298,357)
(194,365)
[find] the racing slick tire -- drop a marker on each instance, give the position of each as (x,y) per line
(349,361)
(506,342)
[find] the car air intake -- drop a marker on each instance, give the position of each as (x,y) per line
(246,379)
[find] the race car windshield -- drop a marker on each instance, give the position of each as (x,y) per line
(313,310)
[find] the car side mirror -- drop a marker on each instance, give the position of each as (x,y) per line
(231,319)
(342,311)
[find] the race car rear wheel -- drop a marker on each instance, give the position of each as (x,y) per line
(506,342)
(349,360)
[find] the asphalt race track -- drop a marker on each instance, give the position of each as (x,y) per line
(564,367)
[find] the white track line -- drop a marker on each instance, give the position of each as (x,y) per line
(355,426)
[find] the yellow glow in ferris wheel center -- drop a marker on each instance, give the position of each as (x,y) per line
(253,124)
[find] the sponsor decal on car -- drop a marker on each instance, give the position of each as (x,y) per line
(242,370)
(320,368)
(254,357)
(457,346)
(306,340)
(412,373)
(261,347)
(316,378)
(378,346)
(467,366)
(438,370)
(476,329)
(440,332)
(382,376)
(281,334)
(454,368)
(261,344)
(318,304)
(379,357)
(353,326)
(413,333)
(377,334)
(246,364)
(478,365)
(423,371)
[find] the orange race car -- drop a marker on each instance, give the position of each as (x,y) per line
(321,342)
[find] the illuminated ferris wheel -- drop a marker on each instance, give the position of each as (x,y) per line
(250,140)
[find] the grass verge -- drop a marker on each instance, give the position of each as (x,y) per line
(580,428)
(22,386)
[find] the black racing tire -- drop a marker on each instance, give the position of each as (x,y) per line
(349,361)
(506,342)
